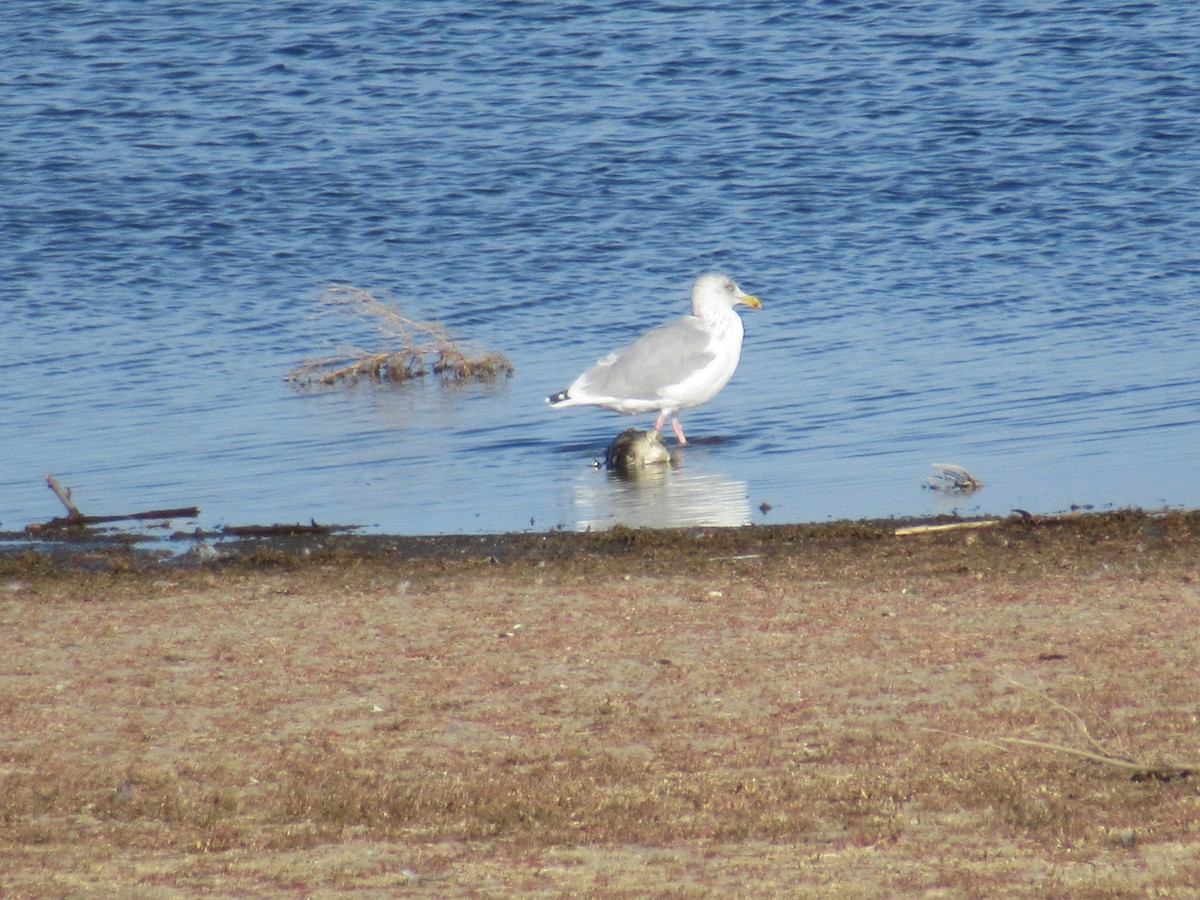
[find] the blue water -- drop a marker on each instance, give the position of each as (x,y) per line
(975,228)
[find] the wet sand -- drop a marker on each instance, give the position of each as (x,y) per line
(1008,710)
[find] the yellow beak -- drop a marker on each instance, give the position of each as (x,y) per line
(750,300)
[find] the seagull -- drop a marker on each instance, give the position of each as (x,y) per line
(680,364)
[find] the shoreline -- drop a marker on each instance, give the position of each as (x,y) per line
(130,547)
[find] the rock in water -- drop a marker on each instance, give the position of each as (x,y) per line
(633,450)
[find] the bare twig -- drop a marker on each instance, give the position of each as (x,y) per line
(1074,716)
(1140,769)
(1162,773)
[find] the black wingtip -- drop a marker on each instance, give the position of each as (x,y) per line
(557,398)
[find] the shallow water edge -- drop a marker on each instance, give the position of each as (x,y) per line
(120,551)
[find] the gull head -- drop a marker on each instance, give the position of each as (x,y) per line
(715,293)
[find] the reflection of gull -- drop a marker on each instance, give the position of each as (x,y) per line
(679,364)
(659,497)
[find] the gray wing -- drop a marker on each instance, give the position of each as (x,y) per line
(662,357)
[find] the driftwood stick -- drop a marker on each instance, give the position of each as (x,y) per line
(75,519)
(952,526)
(80,521)
(64,494)
(179,512)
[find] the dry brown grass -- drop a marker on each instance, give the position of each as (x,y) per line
(762,712)
(415,348)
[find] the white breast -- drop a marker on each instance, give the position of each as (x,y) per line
(703,384)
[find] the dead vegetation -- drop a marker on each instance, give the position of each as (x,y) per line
(952,479)
(414,348)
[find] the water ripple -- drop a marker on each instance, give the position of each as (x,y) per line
(974,229)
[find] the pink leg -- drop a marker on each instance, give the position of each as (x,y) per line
(662,417)
(678,430)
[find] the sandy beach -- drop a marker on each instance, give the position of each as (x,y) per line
(1009,710)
